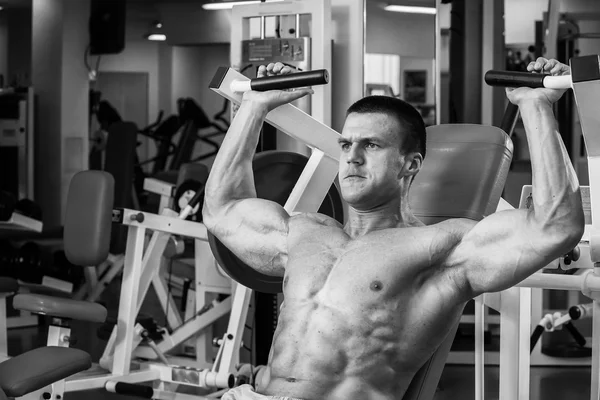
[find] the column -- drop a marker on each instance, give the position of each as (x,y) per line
(60,80)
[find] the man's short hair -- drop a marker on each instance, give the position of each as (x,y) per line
(409,119)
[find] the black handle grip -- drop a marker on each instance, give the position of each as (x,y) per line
(131,389)
(515,79)
(199,195)
(535,336)
(575,333)
(300,79)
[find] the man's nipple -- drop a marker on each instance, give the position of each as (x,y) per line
(376,286)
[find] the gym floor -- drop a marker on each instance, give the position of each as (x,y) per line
(457,381)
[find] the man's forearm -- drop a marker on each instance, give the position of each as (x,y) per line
(231,175)
(556,197)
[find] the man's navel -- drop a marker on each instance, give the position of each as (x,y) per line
(376,286)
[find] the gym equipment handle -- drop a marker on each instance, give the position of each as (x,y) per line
(535,336)
(281,82)
(527,79)
(130,389)
(577,336)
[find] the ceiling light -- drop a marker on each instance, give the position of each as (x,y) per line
(226,5)
(157,37)
(1,8)
(410,9)
(155,32)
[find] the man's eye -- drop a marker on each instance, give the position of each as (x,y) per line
(371,145)
(345,146)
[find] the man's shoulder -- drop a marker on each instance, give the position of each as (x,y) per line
(314,218)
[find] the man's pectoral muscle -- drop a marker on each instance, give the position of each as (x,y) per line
(256,231)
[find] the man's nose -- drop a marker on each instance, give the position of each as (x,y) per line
(354,155)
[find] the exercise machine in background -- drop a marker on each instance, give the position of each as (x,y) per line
(16,143)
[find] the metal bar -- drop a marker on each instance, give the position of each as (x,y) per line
(479,349)
(166,301)
(595,379)
(128,300)
(164,223)
(78,383)
(561,282)
(313,184)
(233,338)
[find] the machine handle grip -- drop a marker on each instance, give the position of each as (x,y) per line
(198,196)
(535,336)
(575,334)
(130,389)
(514,79)
(527,79)
(282,82)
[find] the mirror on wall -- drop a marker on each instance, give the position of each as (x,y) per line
(400,52)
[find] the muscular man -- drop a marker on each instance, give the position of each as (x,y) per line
(367,304)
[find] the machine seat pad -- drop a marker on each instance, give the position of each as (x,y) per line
(8,285)
(60,307)
(41,367)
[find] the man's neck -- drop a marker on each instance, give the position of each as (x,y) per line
(394,214)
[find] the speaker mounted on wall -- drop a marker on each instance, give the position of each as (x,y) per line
(107,26)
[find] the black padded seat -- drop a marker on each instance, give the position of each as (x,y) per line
(41,367)
(60,307)
(8,285)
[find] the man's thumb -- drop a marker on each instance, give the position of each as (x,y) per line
(299,93)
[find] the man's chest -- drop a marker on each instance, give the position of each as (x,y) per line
(377,267)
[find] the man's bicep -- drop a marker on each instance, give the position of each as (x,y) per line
(256,231)
(498,252)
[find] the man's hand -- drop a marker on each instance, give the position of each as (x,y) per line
(274,98)
(541,65)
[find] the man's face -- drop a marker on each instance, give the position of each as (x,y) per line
(371,164)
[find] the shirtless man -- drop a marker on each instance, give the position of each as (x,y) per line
(368,303)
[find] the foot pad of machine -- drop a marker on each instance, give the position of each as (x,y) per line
(41,367)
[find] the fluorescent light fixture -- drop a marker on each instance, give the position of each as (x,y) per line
(1,8)
(227,5)
(158,37)
(410,9)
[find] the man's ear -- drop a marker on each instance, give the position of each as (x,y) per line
(412,163)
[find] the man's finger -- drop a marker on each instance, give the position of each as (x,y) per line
(262,71)
(549,65)
(558,69)
(278,67)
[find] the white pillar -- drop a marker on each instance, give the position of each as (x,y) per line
(60,79)
(348,57)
